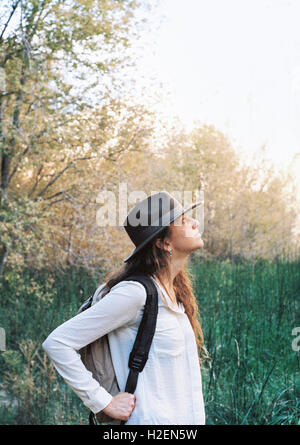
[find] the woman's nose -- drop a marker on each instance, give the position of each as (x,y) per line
(195,223)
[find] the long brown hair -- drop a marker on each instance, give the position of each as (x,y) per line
(152,260)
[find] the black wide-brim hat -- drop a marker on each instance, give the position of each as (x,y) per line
(150,216)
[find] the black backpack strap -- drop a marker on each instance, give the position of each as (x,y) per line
(92,418)
(139,354)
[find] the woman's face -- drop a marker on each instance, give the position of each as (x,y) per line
(185,236)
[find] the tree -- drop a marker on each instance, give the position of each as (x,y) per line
(248,209)
(56,61)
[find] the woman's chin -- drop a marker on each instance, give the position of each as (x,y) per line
(201,244)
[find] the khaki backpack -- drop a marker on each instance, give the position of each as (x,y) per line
(96,356)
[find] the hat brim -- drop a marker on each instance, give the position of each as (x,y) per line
(160,229)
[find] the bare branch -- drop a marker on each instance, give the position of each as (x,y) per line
(9,19)
(54,202)
(36,181)
(59,175)
(7,94)
(24,153)
(57,194)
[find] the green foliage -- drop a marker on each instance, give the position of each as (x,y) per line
(20,231)
(248,311)
(47,46)
(35,303)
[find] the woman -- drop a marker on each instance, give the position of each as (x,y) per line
(169,389)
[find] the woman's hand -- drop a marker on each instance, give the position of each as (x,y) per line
(121,406)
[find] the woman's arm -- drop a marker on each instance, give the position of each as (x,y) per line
(117,308)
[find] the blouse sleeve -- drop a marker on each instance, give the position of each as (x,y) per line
(114,310)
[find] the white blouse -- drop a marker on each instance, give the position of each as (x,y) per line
(169,389)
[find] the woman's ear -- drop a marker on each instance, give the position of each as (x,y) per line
(161,244)
(158,243)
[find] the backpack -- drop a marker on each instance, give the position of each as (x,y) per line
(96,356)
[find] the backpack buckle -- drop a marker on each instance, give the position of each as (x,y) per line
(135,362)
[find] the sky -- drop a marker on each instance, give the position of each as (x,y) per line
(234,64)
(231,63)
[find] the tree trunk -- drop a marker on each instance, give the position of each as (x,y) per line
(3,254)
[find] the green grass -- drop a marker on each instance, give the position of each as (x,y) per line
(248,311)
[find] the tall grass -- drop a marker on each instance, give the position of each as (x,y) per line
(248,311)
